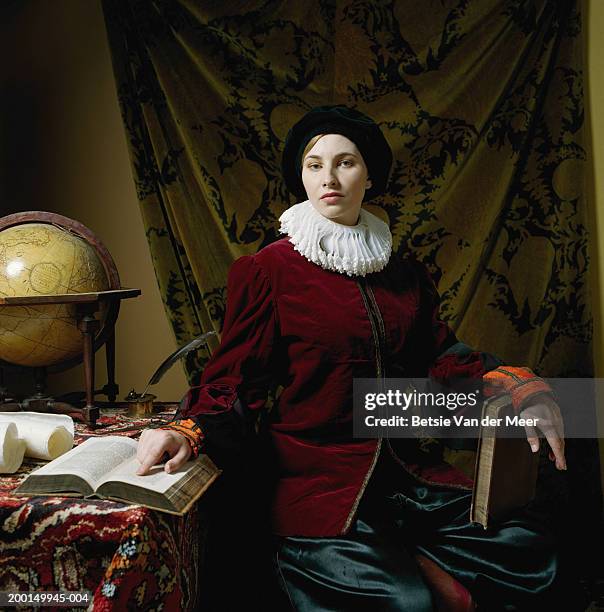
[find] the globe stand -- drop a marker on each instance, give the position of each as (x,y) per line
(42,402)
(86,306)
(4,394)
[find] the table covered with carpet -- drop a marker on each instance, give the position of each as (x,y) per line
(126,556)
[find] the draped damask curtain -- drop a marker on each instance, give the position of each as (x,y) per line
(481,101)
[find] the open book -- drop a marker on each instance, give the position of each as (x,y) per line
(106,467)
(505,476)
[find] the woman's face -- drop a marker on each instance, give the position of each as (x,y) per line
(335,178)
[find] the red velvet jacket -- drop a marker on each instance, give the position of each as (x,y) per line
(312,331)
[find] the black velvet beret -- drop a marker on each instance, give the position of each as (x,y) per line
(353,124)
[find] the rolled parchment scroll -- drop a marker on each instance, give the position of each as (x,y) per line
(12,448)
(46,436)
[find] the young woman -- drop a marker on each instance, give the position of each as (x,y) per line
(328,303)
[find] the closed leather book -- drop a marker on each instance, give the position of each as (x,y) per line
(506,469)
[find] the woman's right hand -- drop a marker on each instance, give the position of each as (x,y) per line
(154,443)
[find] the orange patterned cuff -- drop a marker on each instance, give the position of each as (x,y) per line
(190,430)
(520,383)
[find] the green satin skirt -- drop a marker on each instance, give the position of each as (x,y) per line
(512,566)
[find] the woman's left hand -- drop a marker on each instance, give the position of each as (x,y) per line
(549,421)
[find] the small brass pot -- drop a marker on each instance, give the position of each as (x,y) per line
(141,406)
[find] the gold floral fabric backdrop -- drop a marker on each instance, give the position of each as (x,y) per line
(481,101)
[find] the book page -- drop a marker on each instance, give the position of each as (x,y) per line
(157,480)
(93,459)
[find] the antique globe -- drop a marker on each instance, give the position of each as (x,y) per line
(46,254)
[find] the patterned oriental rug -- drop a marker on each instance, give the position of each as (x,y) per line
(127,556)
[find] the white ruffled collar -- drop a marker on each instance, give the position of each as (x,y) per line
(355,250)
